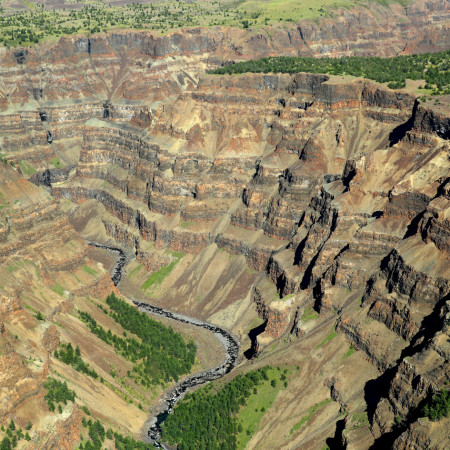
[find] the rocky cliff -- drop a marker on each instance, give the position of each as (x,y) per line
(307,213)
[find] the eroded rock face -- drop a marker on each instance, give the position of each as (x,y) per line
(290,196)
(41,270)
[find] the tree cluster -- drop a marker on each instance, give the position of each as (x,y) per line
(438,407)
(159,355)
(73,358)
(205,420)
(434,68)
(13,436)
(58,392)
(97,435)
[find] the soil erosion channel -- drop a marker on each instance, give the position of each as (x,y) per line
(229,342)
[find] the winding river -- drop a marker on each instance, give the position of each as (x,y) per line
(229,342)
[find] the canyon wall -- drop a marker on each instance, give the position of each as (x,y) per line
(314,206)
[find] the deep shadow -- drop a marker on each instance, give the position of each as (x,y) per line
(386,440)
(414,225)
(375,389)
(107,110)
(349,173)
(428,328)
(397,134)
(253,334)
(335,443)
(281,284)
(299,251)
(377,214)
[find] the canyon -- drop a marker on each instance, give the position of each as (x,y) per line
(308,214)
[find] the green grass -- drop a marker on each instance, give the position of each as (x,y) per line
(256,322)
(359,420)
(58,289)
(328,338)
(90,271)
(308,417)
(18,27)
(135,271)
(15,266)
(257,405)
(56,162)
(176,254)
(309,314)
(158,277)
(30,308)
(185,223)
(291,10)
(27,168)
(350,352)
(60,325)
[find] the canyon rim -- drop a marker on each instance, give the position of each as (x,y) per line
(305,215)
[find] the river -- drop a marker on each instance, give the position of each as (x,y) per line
(229,342)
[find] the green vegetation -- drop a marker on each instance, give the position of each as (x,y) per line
(185,223)
(359,420)
(90,271)
(73,358)
(287,297)
(158,277)
(26,168)
(350,352)
(129,443)
(13,436)
(207,419)
(250,415)
(58,289)
(438,406)
(160,355)
(16,266)
(57,392)
(433,68)
(97,435)
(3,160)
(309,314)
(39,316)
(20,27)
(56,162)
(307,418)
(328,338)
(135,271)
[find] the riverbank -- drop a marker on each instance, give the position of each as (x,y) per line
(229,342)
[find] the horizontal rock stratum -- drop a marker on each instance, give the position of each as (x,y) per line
(309,214)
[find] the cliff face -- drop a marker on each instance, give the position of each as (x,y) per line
(318,203)
(47,276)
(315,182)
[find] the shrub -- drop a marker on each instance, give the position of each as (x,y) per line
(438,407)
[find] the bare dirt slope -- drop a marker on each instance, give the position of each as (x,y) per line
(315,205)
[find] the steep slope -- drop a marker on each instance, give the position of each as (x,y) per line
(308,214)
(319,184)
(47,278)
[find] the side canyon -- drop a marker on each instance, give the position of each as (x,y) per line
(307,214)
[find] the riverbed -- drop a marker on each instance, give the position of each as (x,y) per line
(229,342)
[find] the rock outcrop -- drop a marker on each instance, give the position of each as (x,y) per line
(318,203)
